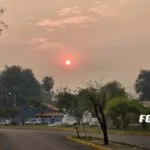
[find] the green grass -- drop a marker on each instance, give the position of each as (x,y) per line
(113,145)
(96,130)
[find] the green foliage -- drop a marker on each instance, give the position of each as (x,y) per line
(18,85)
(35,103)
(48,83)
(74,104)
(114,89)
(146,111)
(65,99)
(8,112)
(97,97)
(47,86)
(120,110)
(142,85)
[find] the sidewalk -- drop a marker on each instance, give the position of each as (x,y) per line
(143,141)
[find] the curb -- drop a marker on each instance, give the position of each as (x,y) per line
(98,147)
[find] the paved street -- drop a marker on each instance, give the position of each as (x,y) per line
(143,141)
(16,139)
(139,140)
(36,140)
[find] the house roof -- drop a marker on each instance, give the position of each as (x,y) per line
(27,106)
(52,114)
(52,107)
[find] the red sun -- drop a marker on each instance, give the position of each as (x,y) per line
(68,62)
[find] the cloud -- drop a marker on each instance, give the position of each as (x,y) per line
(38,40)
(62,22)
(104,11)
(44,43)
(69,10)
(110,8)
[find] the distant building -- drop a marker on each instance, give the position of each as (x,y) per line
(49,114)
(25,113)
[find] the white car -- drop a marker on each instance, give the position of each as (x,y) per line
(33,121)
(68,120)
(5,122)
(94,122)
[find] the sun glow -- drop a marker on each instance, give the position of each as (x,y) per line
(68,62)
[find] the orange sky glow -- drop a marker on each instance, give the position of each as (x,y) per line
(100,37)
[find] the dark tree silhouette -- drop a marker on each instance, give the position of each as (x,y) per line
(114,89)
(142,85)
(48,83)
(3,25)
(19,84)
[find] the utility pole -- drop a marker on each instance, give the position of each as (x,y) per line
(14,99)
(6,96)
(14,96)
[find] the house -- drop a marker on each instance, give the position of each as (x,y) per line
(50,115)
(25,113)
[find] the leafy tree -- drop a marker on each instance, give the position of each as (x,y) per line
(8,112)
(97,98)
(47,84)
(114,89)
(64,97)
(3,25)
(73,104)
(120,110)
(77,111)
(146,111)
(82,93)
(142,85)
(35,103)
(19,84)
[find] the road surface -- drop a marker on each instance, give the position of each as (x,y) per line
(11,139)
(17,139)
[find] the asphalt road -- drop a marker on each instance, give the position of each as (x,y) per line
(17,139)
(11,139)
(143,141)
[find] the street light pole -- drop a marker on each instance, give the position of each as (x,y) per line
(14,96)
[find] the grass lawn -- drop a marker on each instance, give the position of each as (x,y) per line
(97,130)
(112,145)
(130,131)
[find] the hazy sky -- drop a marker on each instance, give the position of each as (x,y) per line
(101,37)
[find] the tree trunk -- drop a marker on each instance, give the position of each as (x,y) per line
(104,129)
(84,130)
(144,124)
(105,134)
(103,124)
(124,122)
(14,100)
(78,134)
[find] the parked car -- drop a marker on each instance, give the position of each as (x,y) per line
(68,120)
(5,122)
(33,121)
(55,124)
(94,122)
